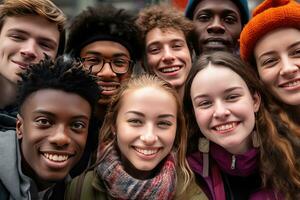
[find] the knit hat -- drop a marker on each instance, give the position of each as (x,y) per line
(268,16)
(101,23)
(241,4)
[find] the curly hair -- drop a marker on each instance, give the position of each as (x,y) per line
(279,136)
(42,8)
(108,139)
(64,74)
(164,17)
(103,22)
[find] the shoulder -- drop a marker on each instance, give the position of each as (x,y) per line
(3,192)
(192,192)
(86,186)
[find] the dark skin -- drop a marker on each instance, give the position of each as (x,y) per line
(218,25)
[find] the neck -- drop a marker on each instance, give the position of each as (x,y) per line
(8,92)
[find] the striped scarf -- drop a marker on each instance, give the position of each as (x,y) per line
(121,185)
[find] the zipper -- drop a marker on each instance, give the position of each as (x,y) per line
(233,161)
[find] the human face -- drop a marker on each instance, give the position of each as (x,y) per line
(109,81)
(218,25)
(224,109)
(278,63)
(168,55)
(146,129)
(52,128)
(25,40)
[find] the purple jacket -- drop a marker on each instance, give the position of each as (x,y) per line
(234,165)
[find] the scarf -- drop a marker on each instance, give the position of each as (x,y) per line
(121,185)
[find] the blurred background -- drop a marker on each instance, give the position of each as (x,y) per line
(73,7)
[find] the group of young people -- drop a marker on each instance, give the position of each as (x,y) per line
(158,105)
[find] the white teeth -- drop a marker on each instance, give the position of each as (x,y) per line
(170,69)
(56,157)
(109,88)
(147,151)
(215,43)
(225,127)
(291,84)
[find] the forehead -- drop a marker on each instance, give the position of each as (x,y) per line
(32,25)
(141,98)
(216,77)
(217,6)
(105,48)
(168,34)
(270,42)
(53,101)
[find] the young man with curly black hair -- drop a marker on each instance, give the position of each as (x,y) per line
(29,30)
(106,39)
(55,113)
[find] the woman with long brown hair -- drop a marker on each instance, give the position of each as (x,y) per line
(241,145)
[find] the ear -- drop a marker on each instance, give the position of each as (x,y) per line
(19,127)
(256,101)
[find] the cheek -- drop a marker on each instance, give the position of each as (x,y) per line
(268,75)
(152,60)
(202,118)
(80,141)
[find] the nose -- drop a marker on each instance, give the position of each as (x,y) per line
(168,55)
(29,50)
(61,137)
(288,67)
(149,137)
(221,111)
(106,71)
(216,26)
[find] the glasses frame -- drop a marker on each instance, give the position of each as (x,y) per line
(109,61)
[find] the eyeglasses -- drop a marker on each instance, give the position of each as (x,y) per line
(117,65)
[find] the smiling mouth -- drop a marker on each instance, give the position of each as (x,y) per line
(217,43)
(56,157)
(169,69)
(146,152)
(109,88)
(290,84)
(226,127)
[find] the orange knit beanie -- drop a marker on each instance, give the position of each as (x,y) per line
(268,16)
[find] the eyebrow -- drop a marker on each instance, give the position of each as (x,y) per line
(272,52)
(26,33)
(210,10)
(53,115)
(95,53)
(172,40)
(142,115)
(226,91)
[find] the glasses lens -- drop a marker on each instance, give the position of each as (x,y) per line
(120,65)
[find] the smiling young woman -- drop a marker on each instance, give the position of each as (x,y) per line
(142,145)
(237,136)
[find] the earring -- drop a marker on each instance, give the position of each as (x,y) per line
(203,146)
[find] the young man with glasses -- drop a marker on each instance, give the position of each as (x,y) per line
(105,39)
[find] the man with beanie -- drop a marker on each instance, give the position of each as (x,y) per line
(218,23)
(29,30)
(106,40)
